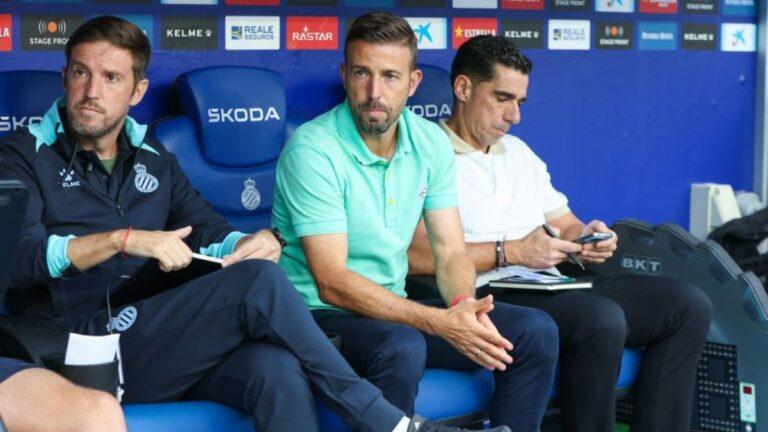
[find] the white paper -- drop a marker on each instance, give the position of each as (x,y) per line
(207,258)
(85,350)
(762,247)
(520,271)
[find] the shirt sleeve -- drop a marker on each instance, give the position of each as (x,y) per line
(311,192)
(441,191)
(553,202)
(39,258)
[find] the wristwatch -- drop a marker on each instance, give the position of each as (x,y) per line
(276,232)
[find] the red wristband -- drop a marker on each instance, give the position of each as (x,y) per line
(459,298)
(125,242)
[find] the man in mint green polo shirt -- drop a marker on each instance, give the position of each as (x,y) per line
(351,187)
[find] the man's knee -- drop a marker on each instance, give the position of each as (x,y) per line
(537,335)
(259,278)
(253,270)
(37,399)
(402,355)
(103,413)
(602,323)
(693,305)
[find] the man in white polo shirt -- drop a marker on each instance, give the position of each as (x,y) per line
(505,196)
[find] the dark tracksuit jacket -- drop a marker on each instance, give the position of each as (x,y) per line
(72,195)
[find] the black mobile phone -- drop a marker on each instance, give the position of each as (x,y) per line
(593,238)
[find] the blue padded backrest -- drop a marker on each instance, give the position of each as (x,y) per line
(25,96)
(224,187)
(238,112)
(434,97)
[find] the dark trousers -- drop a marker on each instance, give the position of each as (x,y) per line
(393,357)
(669,318)
(241,336)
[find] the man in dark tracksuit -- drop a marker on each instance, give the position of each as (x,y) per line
(105,198)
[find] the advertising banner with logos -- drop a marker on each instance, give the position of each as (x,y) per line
(629,101)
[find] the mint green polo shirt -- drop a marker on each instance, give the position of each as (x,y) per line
(328,182)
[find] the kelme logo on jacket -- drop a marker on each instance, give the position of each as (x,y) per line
(145,182)
(68,179)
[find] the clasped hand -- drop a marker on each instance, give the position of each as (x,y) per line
(467,327)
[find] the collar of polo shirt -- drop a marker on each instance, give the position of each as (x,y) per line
(462,147)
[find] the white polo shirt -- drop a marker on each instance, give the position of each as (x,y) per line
(504,193)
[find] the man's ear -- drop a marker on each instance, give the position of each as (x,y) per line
(64,78)
(139,91)
(343,70)
(414,80)
(462,87)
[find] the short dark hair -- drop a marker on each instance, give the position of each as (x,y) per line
(120,33)
(382,28)
(478,57)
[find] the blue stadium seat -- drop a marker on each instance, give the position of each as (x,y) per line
(228,138)
(443,394)
(25,96)
(434,97)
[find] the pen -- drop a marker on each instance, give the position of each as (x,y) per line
(550,232)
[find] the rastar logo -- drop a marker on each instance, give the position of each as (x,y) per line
(242,115)
(641,264)
(658,6)
(312,33)
(467,28)
(6,41)
(431,111)
(11,123)
(523,4)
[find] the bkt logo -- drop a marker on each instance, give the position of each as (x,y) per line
(242,115)
(640,264)
(11,123)
(431,111)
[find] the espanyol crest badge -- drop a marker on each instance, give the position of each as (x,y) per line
(251,198)
(124,320)
(144,182)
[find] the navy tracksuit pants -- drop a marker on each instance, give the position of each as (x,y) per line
(393,357)
(243,337)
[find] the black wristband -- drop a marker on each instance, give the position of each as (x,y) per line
(498,254)
(276,232)
(504,262)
